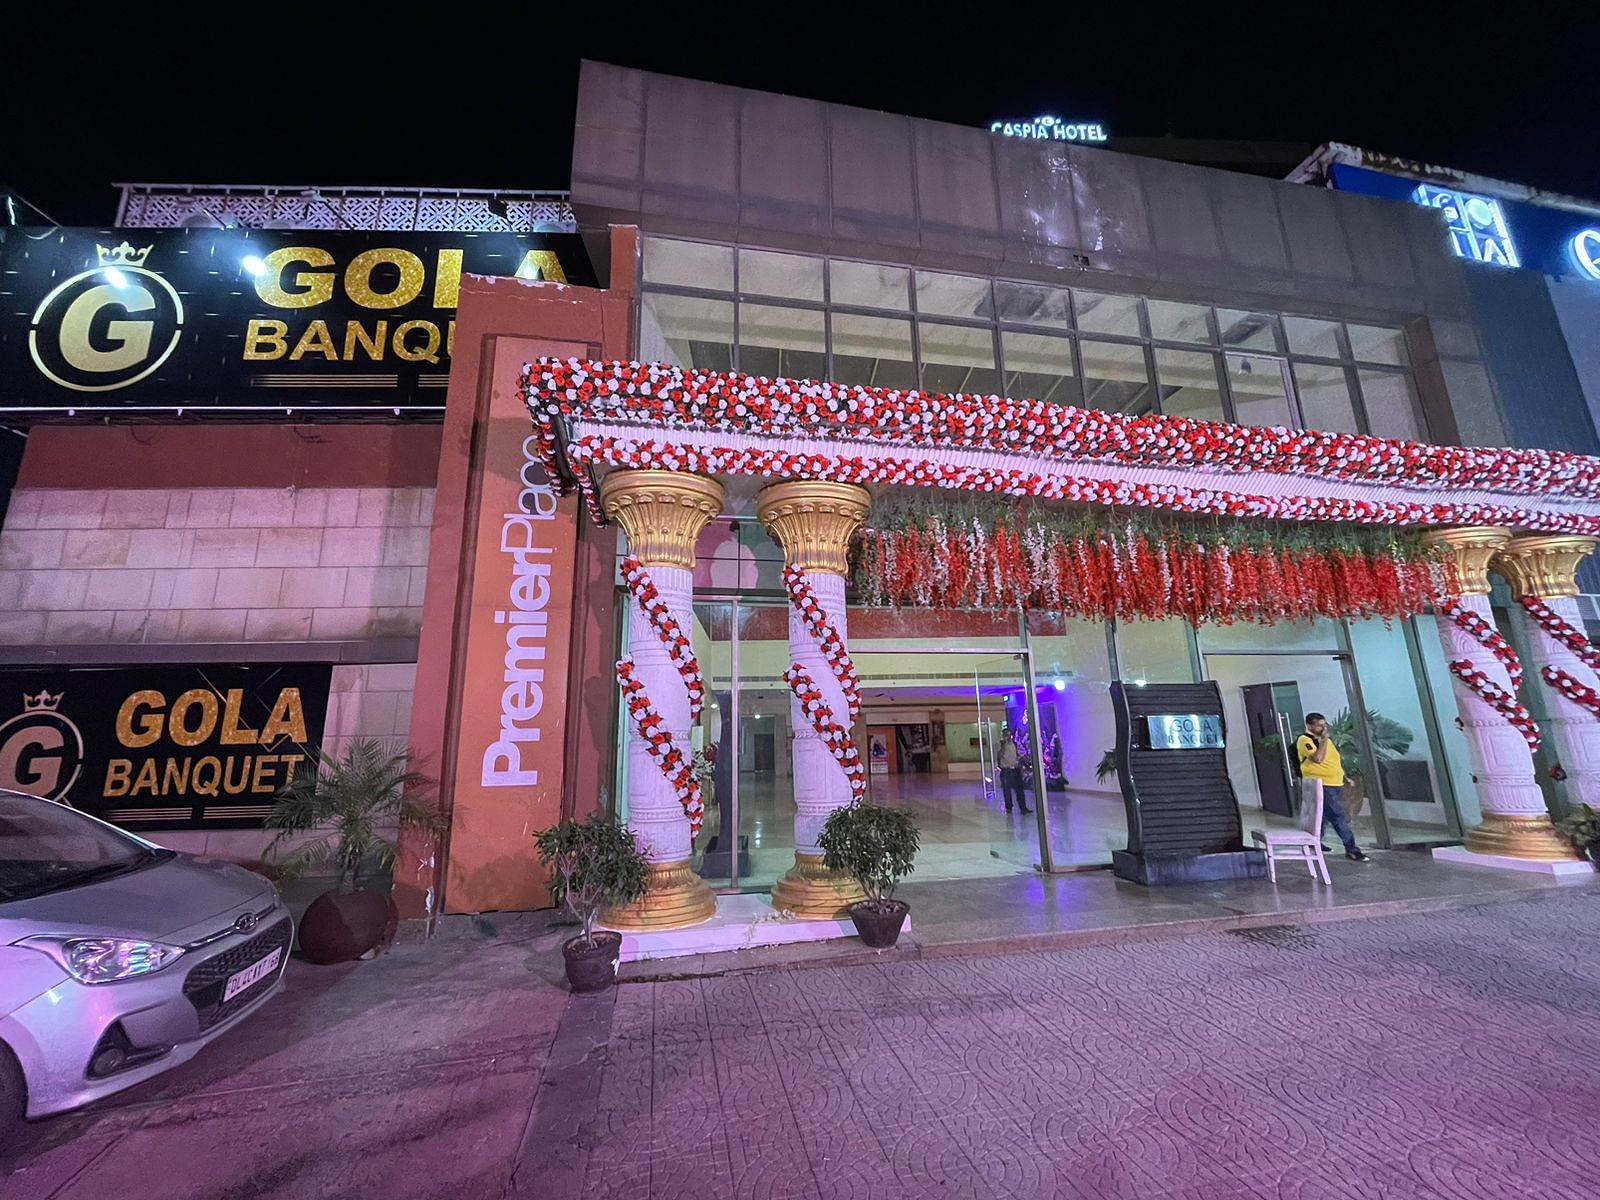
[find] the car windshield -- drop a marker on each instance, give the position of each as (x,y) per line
(45,847)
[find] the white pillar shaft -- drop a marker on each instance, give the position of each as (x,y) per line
(655,814)
(820,785)
(1501,760)
(1573,730)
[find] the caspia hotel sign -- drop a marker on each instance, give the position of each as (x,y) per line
(1051,129)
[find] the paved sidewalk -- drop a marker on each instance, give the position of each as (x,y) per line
(1452,1054)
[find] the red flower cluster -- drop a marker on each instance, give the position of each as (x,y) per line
(1572,689)
(660,394)
(1138,573)
(834,735)
(827,637)
(652,730)
(1570,636)
(638,582)
(596,449)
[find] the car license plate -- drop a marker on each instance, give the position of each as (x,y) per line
(254,973)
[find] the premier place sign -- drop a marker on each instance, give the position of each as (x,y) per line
(179,322)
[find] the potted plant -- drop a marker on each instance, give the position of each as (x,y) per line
(1390,740)
(877,847)
(1107,766)
(351,802)
(1582,829)
(592,863)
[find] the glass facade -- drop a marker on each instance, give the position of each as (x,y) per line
(772,313)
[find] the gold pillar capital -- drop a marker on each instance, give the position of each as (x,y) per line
(814,520)
(1470,548)
(662,512)
(1544,565)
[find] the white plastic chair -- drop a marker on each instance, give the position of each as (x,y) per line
(1303,844)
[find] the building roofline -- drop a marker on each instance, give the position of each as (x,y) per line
(1314,170)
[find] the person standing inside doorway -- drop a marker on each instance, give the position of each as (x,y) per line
(1011,771)
(1319,759)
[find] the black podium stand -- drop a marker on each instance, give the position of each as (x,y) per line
(1183,816)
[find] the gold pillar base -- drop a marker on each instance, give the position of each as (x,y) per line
(676,898)
(1519,837)
(809,889)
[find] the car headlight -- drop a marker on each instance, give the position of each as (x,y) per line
(105,960)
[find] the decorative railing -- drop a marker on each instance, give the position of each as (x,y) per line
(176,206)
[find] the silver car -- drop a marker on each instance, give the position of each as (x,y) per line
(118,959)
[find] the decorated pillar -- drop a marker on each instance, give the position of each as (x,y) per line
(662,512)
(1542,572)
(1501,735)
(814,520)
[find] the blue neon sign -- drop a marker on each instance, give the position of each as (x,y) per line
(1477,224)
(1585,248)
(1050,129)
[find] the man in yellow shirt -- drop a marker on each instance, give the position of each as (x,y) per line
(1319,759)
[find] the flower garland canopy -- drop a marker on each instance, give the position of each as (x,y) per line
(593,414)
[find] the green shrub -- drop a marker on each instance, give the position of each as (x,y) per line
(874,845)
(592,863)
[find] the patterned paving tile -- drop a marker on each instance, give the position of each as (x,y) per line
(1453,1055)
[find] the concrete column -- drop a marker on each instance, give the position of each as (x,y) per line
(1516,830)
(662,513)
(1544,568)
(814,520)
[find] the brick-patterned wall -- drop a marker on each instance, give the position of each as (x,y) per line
(104,566)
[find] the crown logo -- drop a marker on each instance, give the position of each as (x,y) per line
(122,256)
(45,701)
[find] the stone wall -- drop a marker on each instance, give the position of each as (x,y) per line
(209,565)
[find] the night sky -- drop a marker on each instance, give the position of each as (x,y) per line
(473,95)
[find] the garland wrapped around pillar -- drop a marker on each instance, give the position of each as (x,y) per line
(1500,735)
(814,521)
(1542,572)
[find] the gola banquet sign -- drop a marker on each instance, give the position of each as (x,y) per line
(163,747)
(185,322)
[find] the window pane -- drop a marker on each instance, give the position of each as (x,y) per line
(1189,386)
(958,358)
(688,264)
(1039,367)
(1325,398)
(869,285)
(953,295)
(686,331)
(1259,395)
(1114,377)
(1102,313)
(763,273)
(782,341)
(1247,330)
(873,351)
(1379,344)
(1174,322)
(1391,401)
(1307,335)
(1032,304)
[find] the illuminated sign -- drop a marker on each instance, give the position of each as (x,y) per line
(1586,251)
(1477,224)
(1051,129)
(1189,731)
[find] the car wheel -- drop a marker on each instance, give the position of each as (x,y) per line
(13,1096)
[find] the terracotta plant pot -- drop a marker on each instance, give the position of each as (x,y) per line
(342,926)
(879,921)
(592,968)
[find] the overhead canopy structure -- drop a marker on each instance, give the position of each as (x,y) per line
(607,415)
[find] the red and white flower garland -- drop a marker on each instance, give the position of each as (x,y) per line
(1565,682)
(835,736)
(1556,626)
(1496,697)
(662,394)
(602,450)
(651,726)
(826,636)
(677,644)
